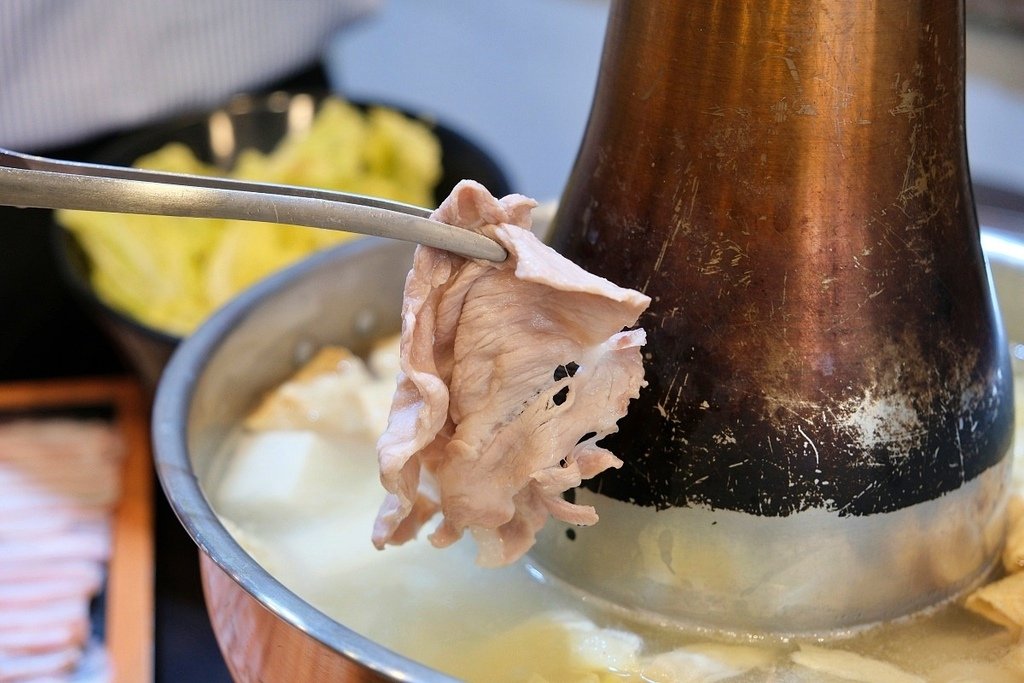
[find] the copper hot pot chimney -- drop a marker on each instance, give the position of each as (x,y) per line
(823,442)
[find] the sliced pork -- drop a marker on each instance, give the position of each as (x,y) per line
(59,481)
(510,374)
(36,666)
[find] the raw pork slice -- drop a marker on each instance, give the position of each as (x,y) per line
(510,374)
(59,482)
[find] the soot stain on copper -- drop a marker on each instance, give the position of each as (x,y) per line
(853,453)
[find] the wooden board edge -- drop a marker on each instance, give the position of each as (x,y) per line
(130,607)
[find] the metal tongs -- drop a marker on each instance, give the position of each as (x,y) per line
(33,181)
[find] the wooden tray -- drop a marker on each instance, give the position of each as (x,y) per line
(128,602)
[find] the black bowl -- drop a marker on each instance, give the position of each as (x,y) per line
(255,122)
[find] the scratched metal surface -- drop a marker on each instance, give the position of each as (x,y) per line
(821,334)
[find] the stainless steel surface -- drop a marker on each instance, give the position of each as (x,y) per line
(32,181)
(789,183)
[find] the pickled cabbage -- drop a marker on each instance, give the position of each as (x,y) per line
(171,273)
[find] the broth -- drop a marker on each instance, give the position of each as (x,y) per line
(509,624)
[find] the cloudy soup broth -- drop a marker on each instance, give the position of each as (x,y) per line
(303,501)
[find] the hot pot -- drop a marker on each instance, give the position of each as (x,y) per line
(350,295)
